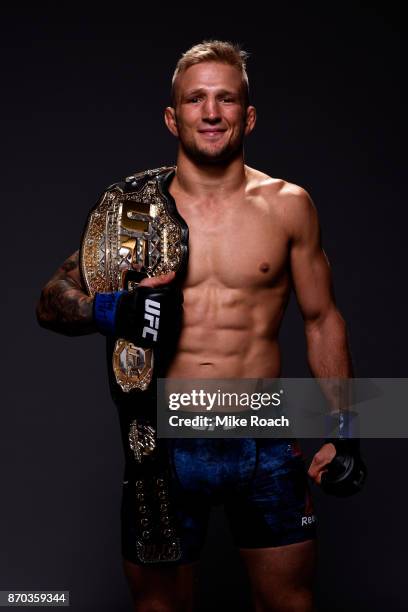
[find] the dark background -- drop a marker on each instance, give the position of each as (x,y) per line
(83,91)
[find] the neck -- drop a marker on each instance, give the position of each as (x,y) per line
(209,180)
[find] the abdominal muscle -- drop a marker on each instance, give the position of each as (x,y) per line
(229,333)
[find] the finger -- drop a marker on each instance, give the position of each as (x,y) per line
(316,474)
(317,468)
(319,477)
(157,281)
(313,472)
(316,465)
(329,451)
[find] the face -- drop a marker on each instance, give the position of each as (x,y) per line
(210,119)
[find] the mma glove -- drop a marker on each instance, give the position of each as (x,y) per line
(346,473)
(148,317)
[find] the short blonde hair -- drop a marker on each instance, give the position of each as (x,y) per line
(213,51)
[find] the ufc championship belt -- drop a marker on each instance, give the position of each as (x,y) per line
(134,232)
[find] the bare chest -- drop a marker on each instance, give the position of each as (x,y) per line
(240,246)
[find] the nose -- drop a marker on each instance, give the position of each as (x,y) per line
(211,111)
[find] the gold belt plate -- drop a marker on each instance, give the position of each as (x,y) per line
(130,231)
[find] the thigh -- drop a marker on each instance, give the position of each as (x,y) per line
(282,577)
(275,509)
(164,587)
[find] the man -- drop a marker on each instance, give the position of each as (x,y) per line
(251,239)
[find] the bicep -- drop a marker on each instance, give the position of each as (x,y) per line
(312,281)
(310,267)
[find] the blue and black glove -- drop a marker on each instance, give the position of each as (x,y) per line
(148,317)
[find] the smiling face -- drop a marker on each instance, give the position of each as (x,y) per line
(210,117)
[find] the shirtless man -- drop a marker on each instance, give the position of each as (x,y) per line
(251,239)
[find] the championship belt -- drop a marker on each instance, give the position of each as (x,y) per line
(134,232)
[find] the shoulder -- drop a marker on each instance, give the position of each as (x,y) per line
(291,202)
(276,190)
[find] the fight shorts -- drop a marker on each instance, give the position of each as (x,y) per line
(262,484)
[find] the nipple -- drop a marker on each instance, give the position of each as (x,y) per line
(264,267)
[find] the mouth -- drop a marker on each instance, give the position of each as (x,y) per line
(211,133)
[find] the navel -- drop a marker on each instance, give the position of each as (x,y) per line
(264,267)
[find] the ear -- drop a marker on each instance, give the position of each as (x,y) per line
(170,120)
(250,119)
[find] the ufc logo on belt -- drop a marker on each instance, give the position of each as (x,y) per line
(152,315)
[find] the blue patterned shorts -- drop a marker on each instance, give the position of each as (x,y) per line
(262,484)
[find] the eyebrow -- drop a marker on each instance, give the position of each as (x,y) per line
(201,90)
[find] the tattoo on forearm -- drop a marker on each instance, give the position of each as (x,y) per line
(64,305)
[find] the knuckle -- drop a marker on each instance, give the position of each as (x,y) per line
(319,459)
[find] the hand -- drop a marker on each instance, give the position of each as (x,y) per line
(148,316)
(158,281)
(321,461)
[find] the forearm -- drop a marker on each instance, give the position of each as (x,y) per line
(64,306)
(329,357)
(65,309)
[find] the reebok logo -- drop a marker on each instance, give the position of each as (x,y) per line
(152,315)
(308,520)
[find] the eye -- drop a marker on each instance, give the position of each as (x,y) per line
(194,99)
